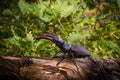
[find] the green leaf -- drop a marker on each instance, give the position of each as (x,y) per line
(29,37)
(7,12)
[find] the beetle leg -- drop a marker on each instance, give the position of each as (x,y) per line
(74,62)
(61,59)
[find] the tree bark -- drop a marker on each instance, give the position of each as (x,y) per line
(31,68)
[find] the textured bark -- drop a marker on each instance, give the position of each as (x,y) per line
(28,68)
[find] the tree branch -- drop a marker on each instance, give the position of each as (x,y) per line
(31,68)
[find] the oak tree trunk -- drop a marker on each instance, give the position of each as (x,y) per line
(31,68)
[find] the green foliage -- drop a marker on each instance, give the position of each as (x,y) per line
(101,42)
(26,46)
(21,46)
(21,23)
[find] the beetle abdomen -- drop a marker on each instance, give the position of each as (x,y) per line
(79,51)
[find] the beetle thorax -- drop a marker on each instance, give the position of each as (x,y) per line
(65,47)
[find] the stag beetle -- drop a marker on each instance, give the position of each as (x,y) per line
(73,50)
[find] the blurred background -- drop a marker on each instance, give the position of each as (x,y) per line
(94,24)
